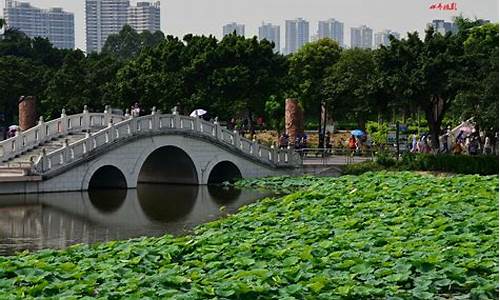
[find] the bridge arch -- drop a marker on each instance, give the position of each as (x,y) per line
(168,164)
(224,171)
(107,177)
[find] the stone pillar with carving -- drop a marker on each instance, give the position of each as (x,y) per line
(294,119)
(27,112)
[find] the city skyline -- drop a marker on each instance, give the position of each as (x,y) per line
(52,23)
(207,17)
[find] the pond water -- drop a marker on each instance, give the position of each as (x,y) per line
(57,220)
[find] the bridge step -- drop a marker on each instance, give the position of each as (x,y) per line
(11,172)
(24,160)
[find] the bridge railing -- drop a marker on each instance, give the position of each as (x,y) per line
(130,127)
(46,131)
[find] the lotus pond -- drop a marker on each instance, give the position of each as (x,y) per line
(375,236)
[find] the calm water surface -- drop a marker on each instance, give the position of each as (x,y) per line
(57,220)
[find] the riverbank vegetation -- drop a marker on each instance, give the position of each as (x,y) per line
(378,235)
(446,163)
(443,78)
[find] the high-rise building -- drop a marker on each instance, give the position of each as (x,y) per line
(145,16)
(382,38)
(233,27)
(103,18)
(271,33)
(331,29)
(296,34)
(55,24)
(361,37)
(443,27)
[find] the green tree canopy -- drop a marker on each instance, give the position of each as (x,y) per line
(308,70)
(352,85)
(128,42)
(478,97)
(426,72)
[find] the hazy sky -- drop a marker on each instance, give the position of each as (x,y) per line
(208,16)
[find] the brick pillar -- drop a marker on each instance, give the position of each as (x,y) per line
(27,112)
(294,119)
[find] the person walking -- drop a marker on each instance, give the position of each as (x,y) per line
(135,110)
(487,145)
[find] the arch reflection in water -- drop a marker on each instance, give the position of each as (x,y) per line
(223,195)
(57,220)
(166,202)
(107,200)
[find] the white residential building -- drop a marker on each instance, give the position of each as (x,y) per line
(144,16)
(103,18)
(382,38)
(331,29)
(361,37)
(296,34)
(233,27)
(271,33)
(55,24)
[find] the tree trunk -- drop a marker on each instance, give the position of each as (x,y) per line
(434,114)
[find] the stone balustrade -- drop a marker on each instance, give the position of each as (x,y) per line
(46,131)
(121,128)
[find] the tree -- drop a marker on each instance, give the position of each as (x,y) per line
(154,77)
(19,77)
(308,69)
(128,43)
(2,23)
(68,87)
(235,75)
(428,73)
(352,85)
(478,97)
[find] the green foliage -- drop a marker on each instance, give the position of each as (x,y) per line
(17,75)
(376,236)
(447,78)
(352,85)
(308,69)
(385,158)
(129,43)
(360,168)
(226,77)
(377,131)
(274,109)
(426,72)
(478,97)
(458,164)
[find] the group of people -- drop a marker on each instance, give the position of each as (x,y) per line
(299,143)
(463,143)
(421,145)
(472,145)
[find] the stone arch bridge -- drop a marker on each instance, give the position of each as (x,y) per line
(104,150)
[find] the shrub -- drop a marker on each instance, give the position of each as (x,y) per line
(459,164)
(358,169)
(385,158)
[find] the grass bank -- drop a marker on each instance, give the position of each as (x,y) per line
(378,235)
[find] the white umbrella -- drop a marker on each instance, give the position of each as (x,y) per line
(198,113)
